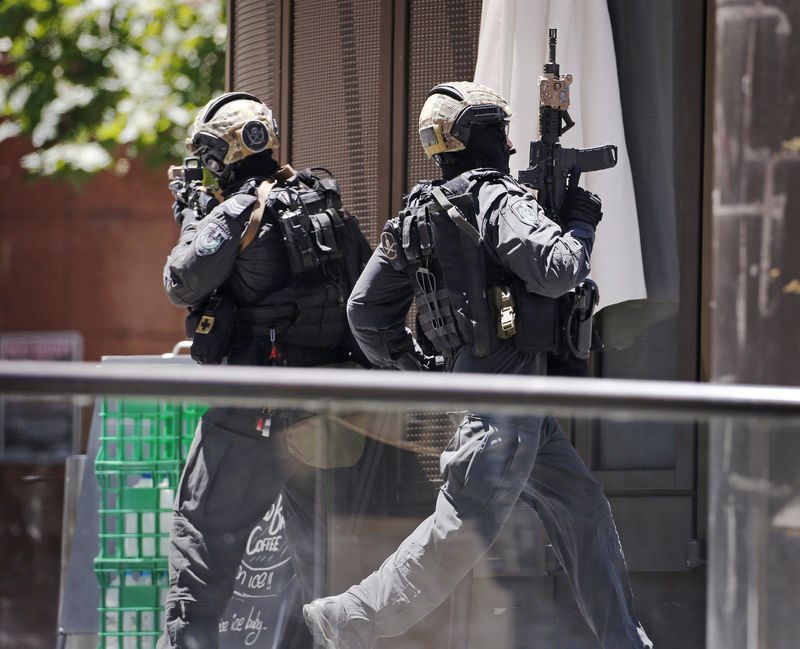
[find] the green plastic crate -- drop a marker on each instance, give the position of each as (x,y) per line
(147,431)
(143,447)
(131,603)
(135,510)
(139,431)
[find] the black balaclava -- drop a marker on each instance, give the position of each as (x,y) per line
(487,148)
(257,165)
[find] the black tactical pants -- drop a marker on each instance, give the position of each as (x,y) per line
(232,476)
(490,464)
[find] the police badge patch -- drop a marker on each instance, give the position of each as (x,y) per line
(528,212)
(211,238)
(255,135)
(389,245)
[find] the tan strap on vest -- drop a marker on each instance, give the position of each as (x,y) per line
(254,224)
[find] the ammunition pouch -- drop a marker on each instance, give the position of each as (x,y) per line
(537,321)
(435,316)
(313,227)
(210,327)
(443,255)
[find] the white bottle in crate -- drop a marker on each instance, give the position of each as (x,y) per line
(134,621)
(112,614)
(140,526)
(166,497)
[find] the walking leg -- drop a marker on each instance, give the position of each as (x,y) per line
(486,467)
(578,520)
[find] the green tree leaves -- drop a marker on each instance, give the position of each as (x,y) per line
(97,82)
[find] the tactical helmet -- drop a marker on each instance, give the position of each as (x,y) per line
(230,128)
(452,110)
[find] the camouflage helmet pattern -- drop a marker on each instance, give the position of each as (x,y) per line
(231,127)
(452,109)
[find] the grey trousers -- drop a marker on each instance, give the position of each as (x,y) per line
(490,464)
(232,476)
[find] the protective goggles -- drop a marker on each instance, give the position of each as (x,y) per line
(205,144)
(253,136)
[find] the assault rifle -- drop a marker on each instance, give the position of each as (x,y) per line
(186,184)
(550,163)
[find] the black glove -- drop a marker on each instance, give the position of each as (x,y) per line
(579,204)
(190,199)
(414,362)
(179,192)
(180,212)
(181,204)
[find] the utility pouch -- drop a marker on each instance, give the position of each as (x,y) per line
(334,440)
(211,327)
(434,312)
(313,238)
(328,232)
(537,321)
(296,227)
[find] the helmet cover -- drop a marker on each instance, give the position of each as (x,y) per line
(452,110)
(227,131)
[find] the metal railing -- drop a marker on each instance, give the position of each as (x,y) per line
(335,389)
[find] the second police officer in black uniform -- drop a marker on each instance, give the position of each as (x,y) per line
(492,277)
(266,273)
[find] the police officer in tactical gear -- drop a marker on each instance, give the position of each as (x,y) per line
(266,274)
(491,276)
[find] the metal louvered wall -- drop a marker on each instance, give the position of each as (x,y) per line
(442,46)
(255,49)
(347,79)
(336,108)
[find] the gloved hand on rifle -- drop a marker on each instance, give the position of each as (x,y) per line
(181,192)
(579,204)
(182,195)
(190,200)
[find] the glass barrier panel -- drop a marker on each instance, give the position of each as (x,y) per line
(429,526)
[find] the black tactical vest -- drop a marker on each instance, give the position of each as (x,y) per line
(326,251)
(438,243)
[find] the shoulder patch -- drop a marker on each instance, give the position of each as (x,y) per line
(528,212)
(211,238)
(389,245)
